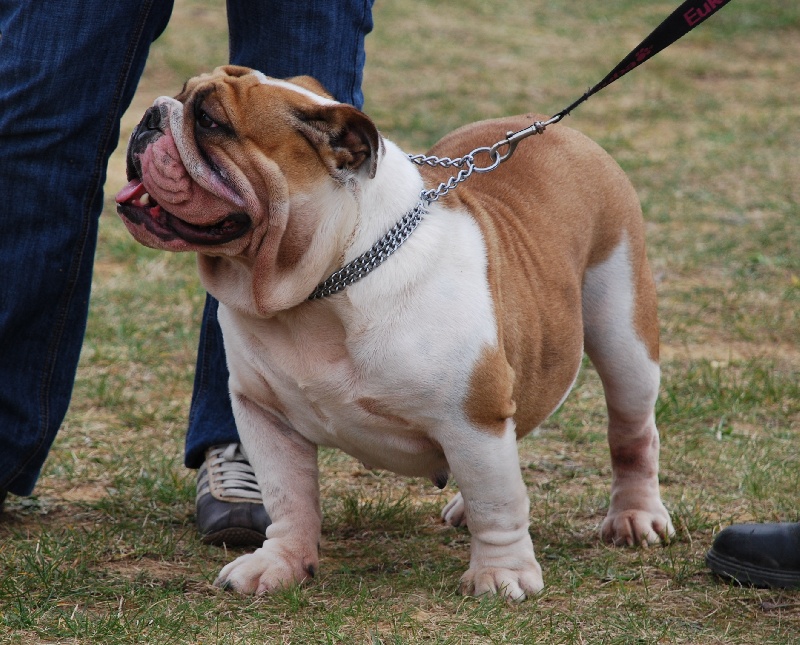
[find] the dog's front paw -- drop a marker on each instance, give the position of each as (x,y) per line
(502,566)
(268,569)
(513,584)
(633,526)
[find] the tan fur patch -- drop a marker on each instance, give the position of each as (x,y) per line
(294,245)
(645,318)
(490,402)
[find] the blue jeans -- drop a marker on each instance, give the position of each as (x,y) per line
(68,71)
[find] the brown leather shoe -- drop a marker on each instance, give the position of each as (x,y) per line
(761,555)
(229,508)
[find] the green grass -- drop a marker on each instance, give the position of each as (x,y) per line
(106,551)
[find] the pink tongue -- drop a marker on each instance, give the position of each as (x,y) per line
(132,190)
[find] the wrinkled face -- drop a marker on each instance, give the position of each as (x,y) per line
(218,168)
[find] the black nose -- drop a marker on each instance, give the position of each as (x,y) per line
(150,128)
(152,119)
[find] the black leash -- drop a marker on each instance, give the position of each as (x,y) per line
(680,22)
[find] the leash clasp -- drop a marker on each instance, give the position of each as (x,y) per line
(513,139)
(493,154)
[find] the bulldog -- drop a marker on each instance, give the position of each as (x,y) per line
(460,343)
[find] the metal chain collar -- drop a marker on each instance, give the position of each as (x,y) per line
(400,232)
(374,257)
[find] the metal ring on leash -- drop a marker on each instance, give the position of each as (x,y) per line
(492,152)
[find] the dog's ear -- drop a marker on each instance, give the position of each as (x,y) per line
(345,137)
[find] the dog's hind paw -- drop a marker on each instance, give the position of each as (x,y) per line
(637,527)
(266,570)
(454,513)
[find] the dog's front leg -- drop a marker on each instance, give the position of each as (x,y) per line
(496,509)
(285,464)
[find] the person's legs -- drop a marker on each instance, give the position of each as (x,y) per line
(68,70)
(314,37)
(281,39)
(210,416)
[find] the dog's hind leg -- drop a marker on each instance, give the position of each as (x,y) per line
(621,338)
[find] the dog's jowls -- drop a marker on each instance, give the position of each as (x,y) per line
(463,341)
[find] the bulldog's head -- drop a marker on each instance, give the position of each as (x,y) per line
(241,166)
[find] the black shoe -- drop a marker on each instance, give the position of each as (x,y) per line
(3,494)
(229,506)
(762,555)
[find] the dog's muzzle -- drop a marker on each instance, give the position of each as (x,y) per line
(136,205)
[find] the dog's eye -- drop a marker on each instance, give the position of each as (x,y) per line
(205,121)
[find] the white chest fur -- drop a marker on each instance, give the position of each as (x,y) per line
(380,369)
